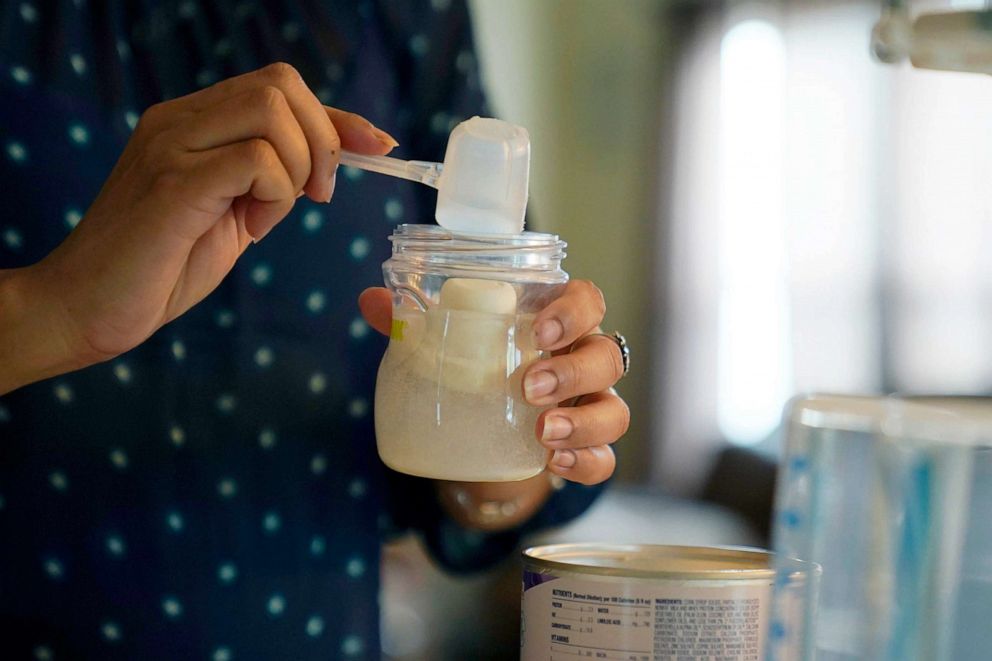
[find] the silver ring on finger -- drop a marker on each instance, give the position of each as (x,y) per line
(621,343)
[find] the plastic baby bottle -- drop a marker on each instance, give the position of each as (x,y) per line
(449,402)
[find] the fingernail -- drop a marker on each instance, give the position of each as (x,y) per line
(261,235)
(556,428)
(384,138)
(547,333)
(255,228)
(563,458)
(539,384)
(334,180)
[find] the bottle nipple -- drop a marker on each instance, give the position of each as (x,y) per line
(468,335)
(474,295)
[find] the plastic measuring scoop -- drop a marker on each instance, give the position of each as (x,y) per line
(482,184)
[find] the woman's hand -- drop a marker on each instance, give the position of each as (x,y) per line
(202,176)
(577,380)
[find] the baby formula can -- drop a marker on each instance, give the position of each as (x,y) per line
(640,602)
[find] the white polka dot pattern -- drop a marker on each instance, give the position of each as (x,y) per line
(316,301)
(465,61)
(111,631)
(205,78)
(358,407)
(439,122)
(172,607)
(318,383)
(191,496)
(17,152)
(177,435)
(267,438)
(290,32)
(13,239)
(394,210)
(123,373)
(419,45)
(334,71)
(358,328)
(276,605)
(20,75)
(315,626)
(54,568)
(359,248)
(227,488)
(58,480)
(118,458)
(187,9)
(271,523)
(175,522)
(72,218)
(318,464)
(78,63)
(261,275)
(226,403)
(357,488)
(313,220)
(352,646)
(227,573)
(264,356)
(79,134)
(355,567)
(115,546)
(63,393)
(224,318)
(29,13)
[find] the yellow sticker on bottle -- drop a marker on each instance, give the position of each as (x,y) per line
(396,332)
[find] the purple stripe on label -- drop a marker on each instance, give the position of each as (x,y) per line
(532,578)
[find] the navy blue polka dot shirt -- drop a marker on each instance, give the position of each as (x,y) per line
(215,493)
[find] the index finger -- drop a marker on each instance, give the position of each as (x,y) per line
(575,313)
(359,134)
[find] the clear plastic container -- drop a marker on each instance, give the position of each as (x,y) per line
(449,401)
(893,499)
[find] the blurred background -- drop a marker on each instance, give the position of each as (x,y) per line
(769,211)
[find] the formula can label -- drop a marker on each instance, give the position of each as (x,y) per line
(568,616)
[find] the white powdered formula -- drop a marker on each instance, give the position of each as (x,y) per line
(449,402)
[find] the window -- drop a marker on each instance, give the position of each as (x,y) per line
(830,225)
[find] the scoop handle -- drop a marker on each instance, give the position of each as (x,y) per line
(424,172)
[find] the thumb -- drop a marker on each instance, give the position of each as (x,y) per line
(376,304)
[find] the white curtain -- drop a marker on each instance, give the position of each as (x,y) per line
(829,225)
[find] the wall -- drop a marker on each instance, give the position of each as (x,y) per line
(587,78)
